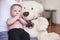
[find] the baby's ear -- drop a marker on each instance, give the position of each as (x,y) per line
(18,0)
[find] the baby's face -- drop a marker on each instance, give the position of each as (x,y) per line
(15,10)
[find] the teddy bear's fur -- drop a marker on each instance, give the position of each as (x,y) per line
(31,10)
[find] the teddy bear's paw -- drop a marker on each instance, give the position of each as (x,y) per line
(29,24)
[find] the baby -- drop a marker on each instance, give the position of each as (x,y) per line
(15,24)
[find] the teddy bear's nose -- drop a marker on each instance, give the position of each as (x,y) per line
(26,14)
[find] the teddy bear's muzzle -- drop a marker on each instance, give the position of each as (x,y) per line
(25,14)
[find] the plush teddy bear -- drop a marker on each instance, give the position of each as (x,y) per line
(30,12)
(36,25)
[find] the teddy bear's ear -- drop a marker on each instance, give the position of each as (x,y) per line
(18,0)
(40,15)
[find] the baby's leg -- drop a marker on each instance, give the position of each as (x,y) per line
(26,36)
(4,35)
(14,34)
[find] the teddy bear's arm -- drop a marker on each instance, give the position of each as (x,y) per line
(43,24)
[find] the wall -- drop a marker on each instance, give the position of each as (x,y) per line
(0,7)
(33,0)
(53,4)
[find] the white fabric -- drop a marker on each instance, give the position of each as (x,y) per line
(4,13)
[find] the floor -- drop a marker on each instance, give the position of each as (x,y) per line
(54,28)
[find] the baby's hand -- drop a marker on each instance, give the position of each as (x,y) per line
(17,16)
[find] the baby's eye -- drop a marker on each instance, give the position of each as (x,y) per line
(31,8)
(14,10)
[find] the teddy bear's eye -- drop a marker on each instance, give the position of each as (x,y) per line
(24,7)
(31,8)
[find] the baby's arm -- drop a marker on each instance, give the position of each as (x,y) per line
(22,21)
(12,20)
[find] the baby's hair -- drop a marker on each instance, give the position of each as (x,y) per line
(15,5)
